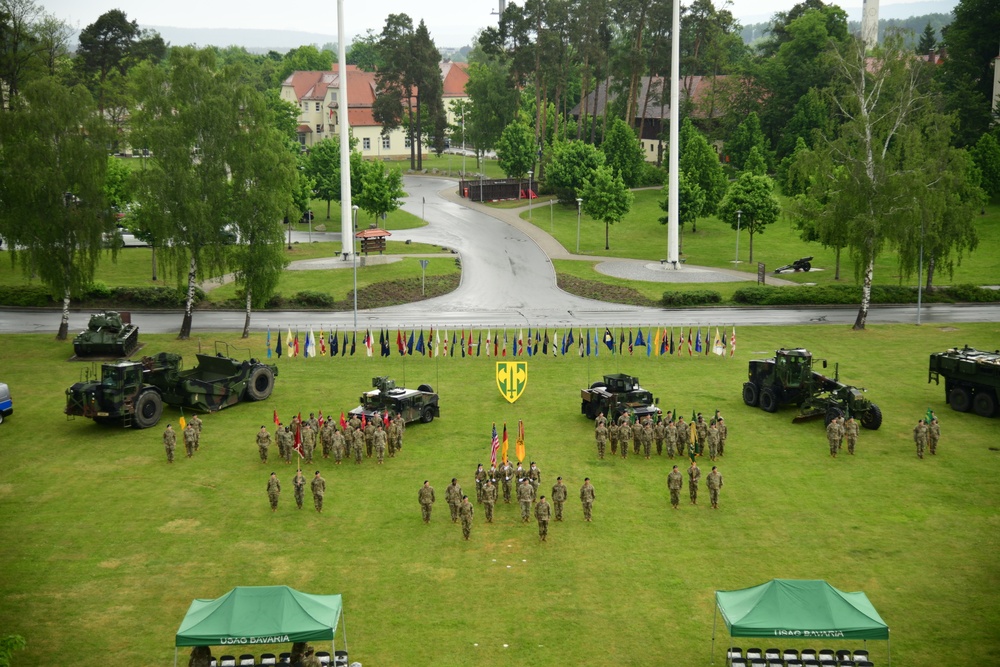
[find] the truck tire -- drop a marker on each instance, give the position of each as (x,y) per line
(832,412)
(587,409)
(148,409)
(959,399)
(425,388)
(427,414)
(984,403)
(260,384)
(751,395)
(769,400)
(872,419)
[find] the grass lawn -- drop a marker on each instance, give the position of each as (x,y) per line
(451,165)
(106,545)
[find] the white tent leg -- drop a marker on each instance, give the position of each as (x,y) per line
(343,623)
(715,619)
(888,650)
(175,656)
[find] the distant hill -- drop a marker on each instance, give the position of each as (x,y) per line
(915,22)
(253,40)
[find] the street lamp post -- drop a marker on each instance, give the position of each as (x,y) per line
(463,142)
(579,209)
(479,162)
(530,174)
(354,254)
(739,217)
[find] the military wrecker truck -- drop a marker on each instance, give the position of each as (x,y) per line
(132,393)
(788,378)
(971,379)
(617,394)
(420,404)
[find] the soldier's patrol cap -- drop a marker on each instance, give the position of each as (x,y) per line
(558,478)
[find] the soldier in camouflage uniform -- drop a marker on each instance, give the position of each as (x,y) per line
(933,435)
(587,496)
(318,486)
(369,432)
(694,475)
(453,496)
(701,429)
(920,437)
(675,482)
(613,438)
(525,496)
(646,437)
(535,479)
(358,445)
(190,439)
(355,422)
(624,436)
(723,434)
(299,487)
(601,435)
(393,436)
(559,495)
(851,431)
(308,442)
(196,422)
(466,510)
(313,423)
(659,434)
(670,435)
(682,433)
(833,436)
(489,498)
(279,440)
(401,426)
(480,478)
(289,438)
(263,442)
(713,440)
(379,442)
(542,514)
(506,475)
(337,445)
(273,489)
(425,496)
(636,436)
(601,420)
(493,473)
(169,442)
(714,483)
(326,438)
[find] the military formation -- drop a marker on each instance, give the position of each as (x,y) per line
(675,437)
(357,439)
(317,486)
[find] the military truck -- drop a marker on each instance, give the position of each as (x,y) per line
(617,394)
(108,334)
(788,378)
(971,379)
(420,404)
(132,393)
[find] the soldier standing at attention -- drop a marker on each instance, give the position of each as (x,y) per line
(675,482)
(169,442)
(601,435)
(713,440)
(355,422)
(489,498)
(326,438)
(587,496)
(694,474)
(466,510)
(279,440)
(519,473)
(337,445)
(601,420)
(714,483)
(525,495)
(370,437)
(273,489)
(933,435)
(299,487)
(318,486)
(481,477)
(636,436)
(851,431)
(393,437)
(190,439)
(196,422)
(701,429)
(379,443)
(506,475)
(613,438)
(401,427)
(358,445)
(263,442)
(832,437)
(559,496)
(535,478)
(289,444)
(313,423)
(646,436)
(425,496)
(659,434)
(723,434)
(308,442)
(920,437)
(493,473)
(624,436)
(670,435)
(453,496)
(542,514)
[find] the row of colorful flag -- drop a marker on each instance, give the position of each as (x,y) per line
(658,341)
(518,447)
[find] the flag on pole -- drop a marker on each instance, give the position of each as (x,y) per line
(297,342)
(494,446)
(333,344)
(277,348)
(649,342)
(381,342)
(343,347)
(506,444)
(409,344)
(609,339)
(368,341)
(545,342)
(697,341)
(354,343)
(658,343)
(732,342)
(529,350)
(269,341)
(305,346)
(519,445)
(621,341)
(470,342)
(321,420)
(580,344)
(343,421)
(680,343)
(597,343)
(463,342)
(420,343)
(290,343)
(630,341)
(400,345)
(520,342)
(479,345)
(311,343)
(588,342)
(503,352)
(322,342)
(437,344)
(639,340)
(717,345)
(444,348)
(690,341)
(182,421)
(454,339)
(276,420)
(567,342)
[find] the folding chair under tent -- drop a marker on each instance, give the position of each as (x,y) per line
(799,609)
(250,615)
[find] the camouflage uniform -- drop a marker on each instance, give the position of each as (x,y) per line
(481,477)
(713,441)
(308,442)
(169,442)
(393,438)
(190,439)
(659,434)
(337,445)
(542,514)
(313,423)
(624,435)
(601,420)
(601,435)
(851,431)
(289,439)
(525,494)
(833,436)
(613,438)
(196,422)
(358,445)
(355,422)
(646,437)
(263,442)
(506,474)
(279,440)
(425,496)
(587,496)
(675,482)
(559,495)
(299,487)
(701,429)
(318,486)
(453,496)
(369,438)
(636,437)
(920,437)
(273,489)
(670,435)
(694,475)
(489,499)
(682,433)
(723,434)
(535,479)
(933,435)
(401,428)
(326,438)
(379,438)
(493,474)
(714,483)
(466,510)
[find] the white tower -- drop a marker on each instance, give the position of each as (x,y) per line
(869,23)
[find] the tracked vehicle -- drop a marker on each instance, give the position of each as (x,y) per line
(108,334)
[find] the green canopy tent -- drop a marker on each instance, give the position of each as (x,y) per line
(261,615)
(798,609)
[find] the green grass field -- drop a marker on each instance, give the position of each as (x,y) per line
(106,545)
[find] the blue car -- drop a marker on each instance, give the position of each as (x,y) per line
(6,404)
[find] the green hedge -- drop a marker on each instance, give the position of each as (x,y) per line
(692,298)
(25,296)
(763,295)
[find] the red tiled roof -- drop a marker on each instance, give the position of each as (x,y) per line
(304,128)
(361,118)
(372,233)
(454,76)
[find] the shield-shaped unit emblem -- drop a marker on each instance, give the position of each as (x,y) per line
(512,377)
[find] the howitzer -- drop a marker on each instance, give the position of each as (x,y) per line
(801,264)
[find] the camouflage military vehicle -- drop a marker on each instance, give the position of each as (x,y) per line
(109,334)
(420,404)
(132,393)
(971,379)
(789,379)
(617,394)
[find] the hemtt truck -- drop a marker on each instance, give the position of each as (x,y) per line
(971,379)
(132,393)
(617,394)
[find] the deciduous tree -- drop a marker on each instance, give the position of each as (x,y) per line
(623,153)
(570,165)
(750,204)
(606,198)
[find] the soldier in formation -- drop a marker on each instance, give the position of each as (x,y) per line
(525,496)
(326,432)
(660,435)
(453,496)
(337,445)
(196,423)
(636,437)
(601,435)
(395,435)
(466,510)
(933,434)
(833,435)
(369,437)
(713,440)
(493,473)
(675,482)
(601,420)
(358,443)
(694,475)
(670,435)
(279,440)
(273,490)
(559,496)
(318,486)
(624,436)
(535,479)
(851,432)
(481,477)
(723,434)
(520,473)
(920,437)
(714,483)
(425,496)
(701,431)
(169,442)
(646,438)
(506,477)
(613,438)
(299,487)
(263,442)
(489,498)
(190,439)
(380,442)
(542,514)
(587,496)
(308,441)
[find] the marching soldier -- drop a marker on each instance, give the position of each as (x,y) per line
(920,437)
(393,437)
(587,496)
(190,439)
(714,483)
(489,498)
(425,496)
(279,440)
(675,482)
(694,475)
(559,495)
(481,478)
(263,442)
(453,496)
(318,490)
(401,428)
(466,510)
(493,473)
(170,442)
(273,489)
(299,487)
(851,431)
(542,514)
(723,434)
(933,434)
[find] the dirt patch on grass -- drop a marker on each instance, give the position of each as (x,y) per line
(180,526)
(593,289)
(6,489)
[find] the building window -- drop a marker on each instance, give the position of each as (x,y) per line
(386,144)
(366,143)
(317,106)
(406,141)
(302,138)
(319,129)
(652,147)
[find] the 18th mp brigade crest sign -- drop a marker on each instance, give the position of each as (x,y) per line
(512,377)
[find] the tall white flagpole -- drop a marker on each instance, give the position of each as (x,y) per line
(346,224)
(673,224)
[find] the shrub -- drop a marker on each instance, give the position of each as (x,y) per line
(96,291)
(692,298)
(651,175)
(154,297)
(25,296)
(309,299)
(971,293)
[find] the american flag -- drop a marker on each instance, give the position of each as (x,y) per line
(495,446)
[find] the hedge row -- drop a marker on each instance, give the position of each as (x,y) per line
(692,298)
(763,295)
(98,294)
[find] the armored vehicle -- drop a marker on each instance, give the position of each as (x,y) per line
(616,394)
(132,393)
(420,404)
(6,402)
(109,334)
(971,379)
(789,379)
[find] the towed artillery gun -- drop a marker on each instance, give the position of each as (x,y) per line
(108,334)
(788,378)
(801,264)
(971,379)
(617,394)
(420,404)
(132,393)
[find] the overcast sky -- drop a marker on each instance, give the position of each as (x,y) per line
(451,22)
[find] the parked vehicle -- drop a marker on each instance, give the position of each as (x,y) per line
(617,394)
(6,402)
(971,379)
